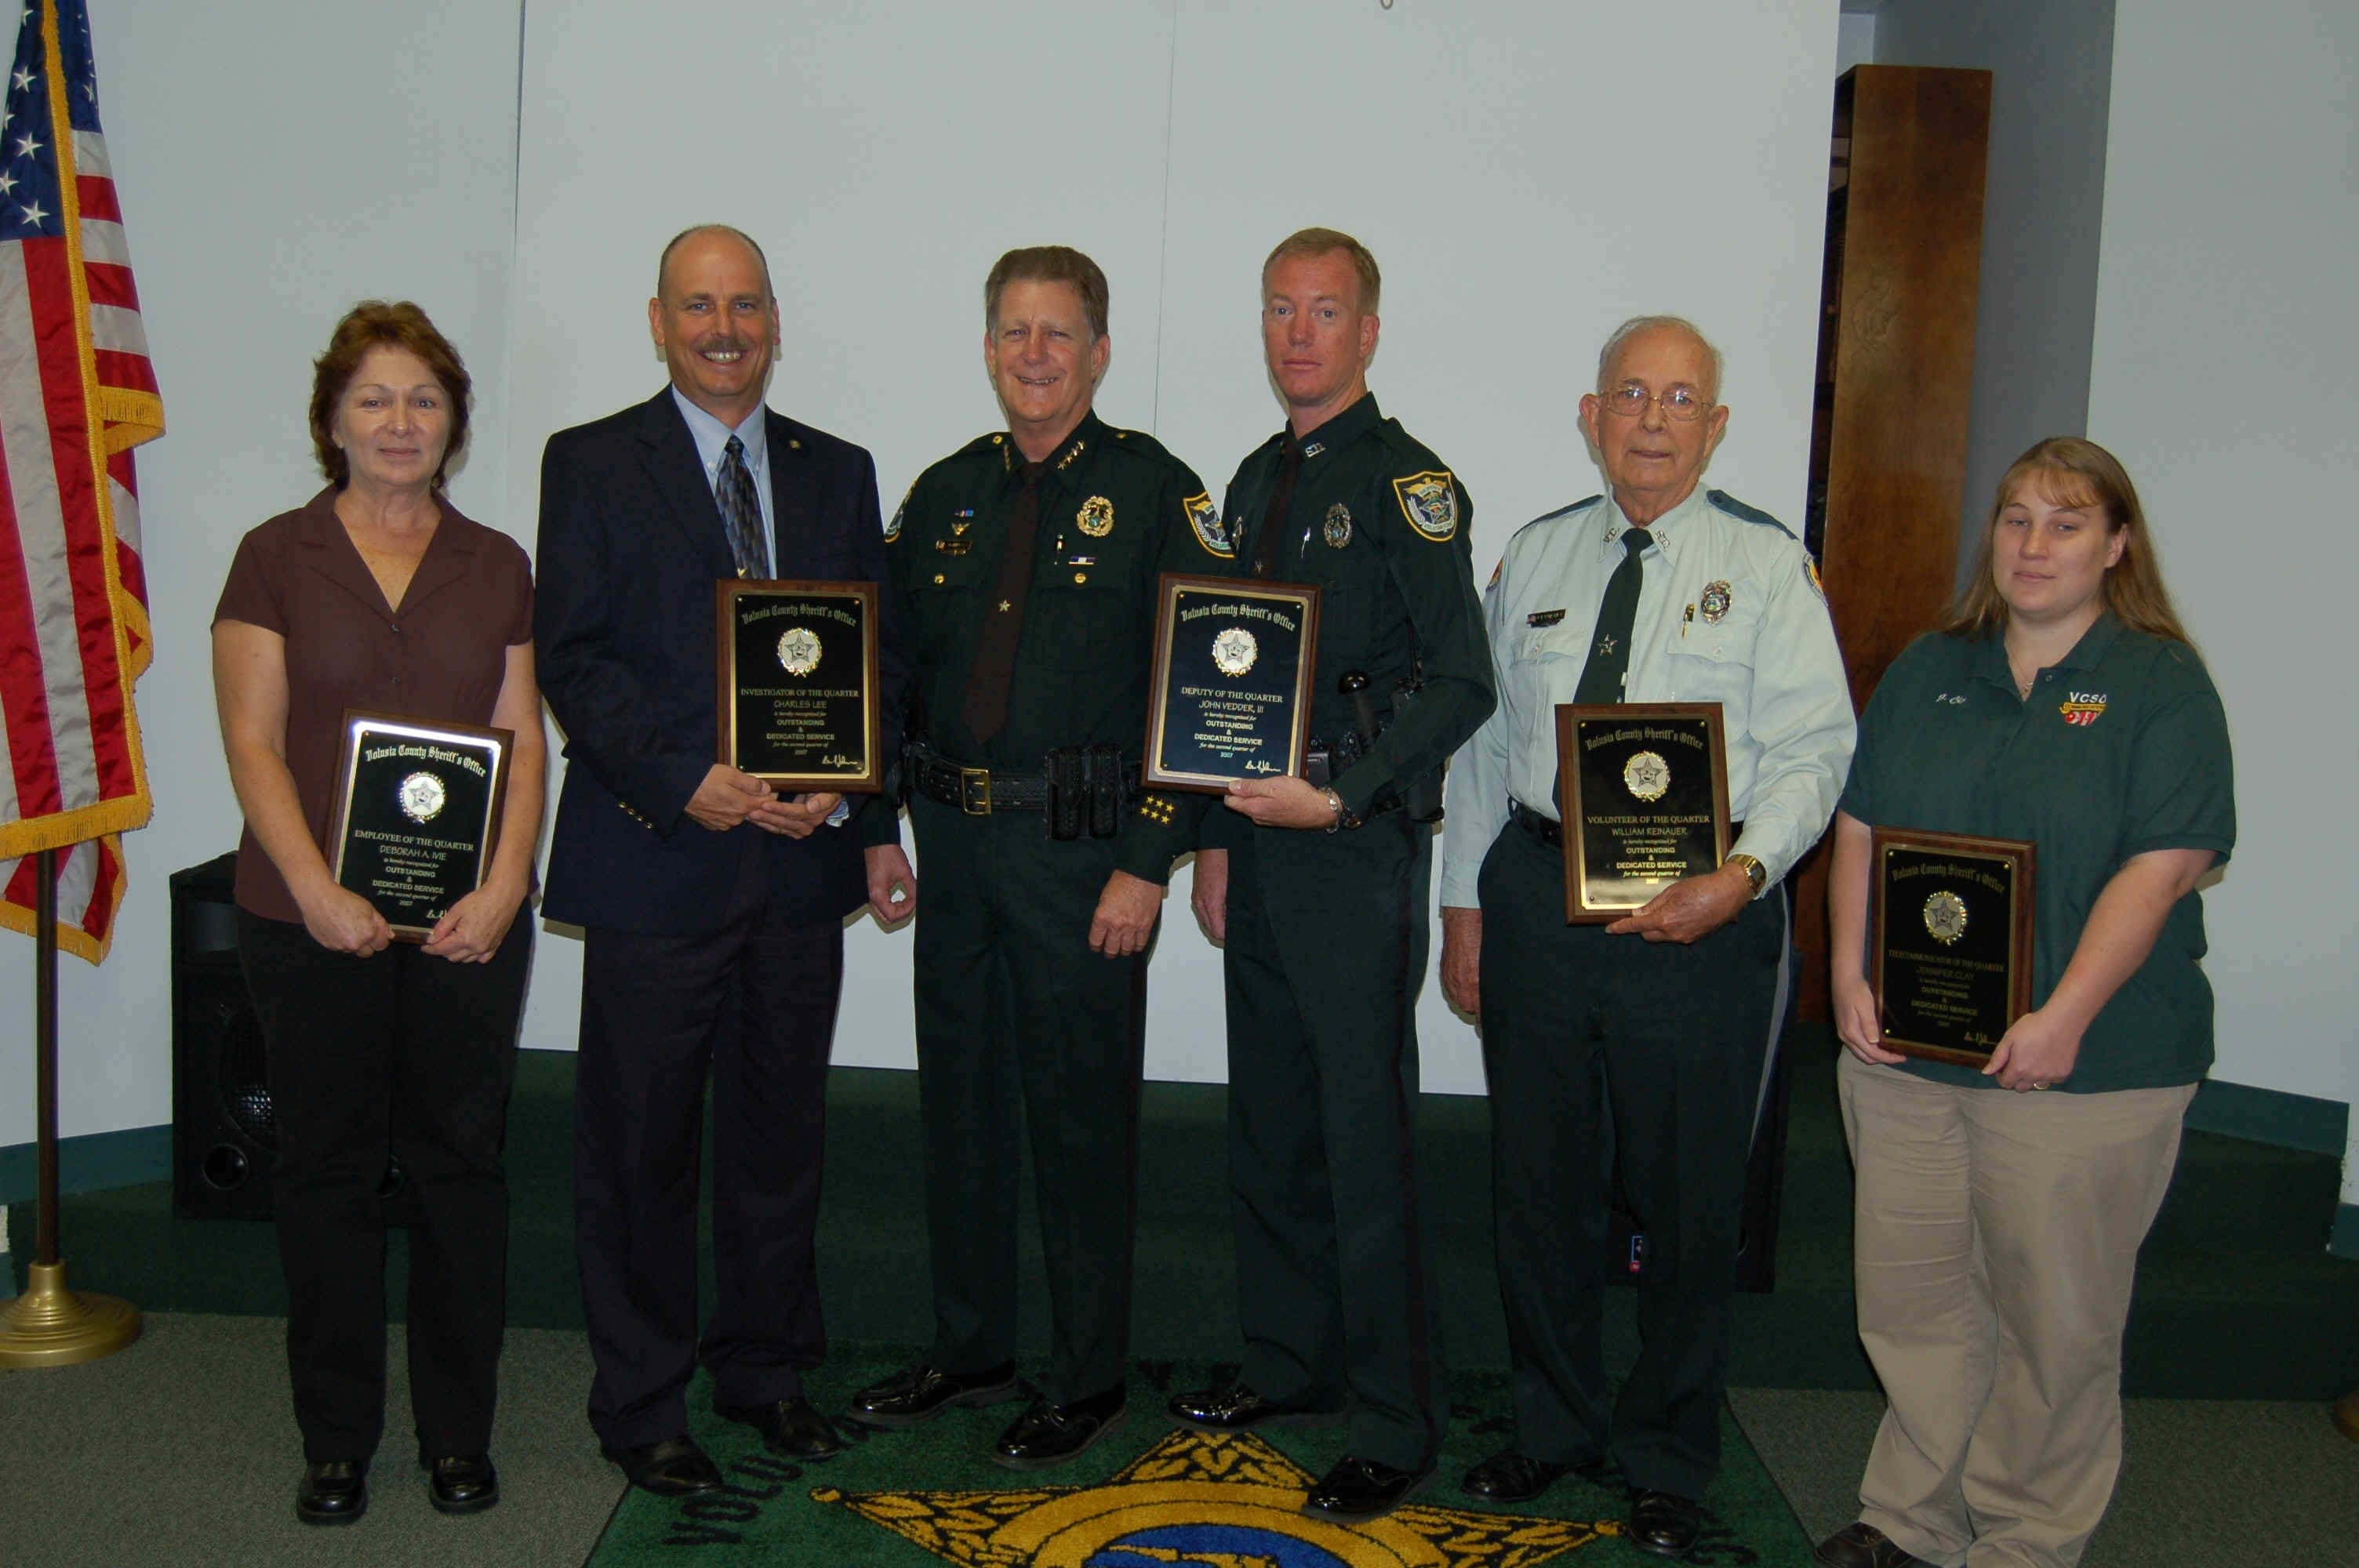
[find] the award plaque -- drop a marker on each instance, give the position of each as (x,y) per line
(1646,802)
(417,815)
(1950,941)
(1230,694)
(797,701)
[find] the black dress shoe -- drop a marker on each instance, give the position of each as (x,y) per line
(916,1396)
(675,1468)
(1864,1546)
(1359,1490)
(1511,1476)
(1047,1435)
(1664,1522)
(791,1428)
(333,1491)
(1233,1407)
(460,1484)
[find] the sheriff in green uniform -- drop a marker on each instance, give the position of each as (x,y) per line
(1319,887)
(1663,591)
(1027,562)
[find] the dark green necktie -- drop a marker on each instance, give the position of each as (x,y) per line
(1617,614)
(993,673)
(1281,500)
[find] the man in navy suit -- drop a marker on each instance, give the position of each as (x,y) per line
(712,909)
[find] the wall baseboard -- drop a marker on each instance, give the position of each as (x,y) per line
(91,1162)
(2271,1116)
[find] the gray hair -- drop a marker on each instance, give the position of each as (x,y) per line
(1638,324)
(663,262)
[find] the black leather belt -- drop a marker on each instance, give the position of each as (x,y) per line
(979,792)
(1550,832)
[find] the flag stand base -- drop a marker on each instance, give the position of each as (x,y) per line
(51,1326)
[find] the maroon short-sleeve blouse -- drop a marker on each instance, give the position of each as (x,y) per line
(442,656)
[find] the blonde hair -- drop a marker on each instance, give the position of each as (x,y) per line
(1326,242)
(2075,473)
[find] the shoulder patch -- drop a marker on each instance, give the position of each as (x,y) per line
(900,515)
(1212,531)
(1430,501)
(1736,508)
(1810,576)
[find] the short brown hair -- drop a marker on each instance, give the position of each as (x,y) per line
(2074,473)
(1049,263)
(1325,242)
(372,324)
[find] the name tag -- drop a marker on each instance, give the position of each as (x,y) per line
(1544,618)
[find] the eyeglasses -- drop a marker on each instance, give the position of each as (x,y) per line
(1682,403)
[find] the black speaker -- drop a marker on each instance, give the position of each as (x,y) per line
(225,1128)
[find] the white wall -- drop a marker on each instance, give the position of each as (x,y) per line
(1855,40)
(2043,201)
(277,160)
(1524,187)
(2222,378)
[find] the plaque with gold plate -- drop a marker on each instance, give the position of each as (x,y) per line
(1645,802)
(1949,941)
(1230,693)
(417,814)
(797,698)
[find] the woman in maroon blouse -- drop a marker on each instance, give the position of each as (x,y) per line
(376,594)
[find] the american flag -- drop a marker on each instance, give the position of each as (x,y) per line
(77,394)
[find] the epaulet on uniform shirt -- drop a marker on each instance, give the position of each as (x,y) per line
(1582,504)
(1137,441)
(1736,508)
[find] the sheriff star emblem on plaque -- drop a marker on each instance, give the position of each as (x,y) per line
(1234,651)
(798,651)
(1647,775)
(423,797)
(1945,917)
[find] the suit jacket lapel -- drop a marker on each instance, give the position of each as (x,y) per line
(794,499)
(671,463)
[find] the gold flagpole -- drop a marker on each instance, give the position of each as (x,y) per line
(51,1326)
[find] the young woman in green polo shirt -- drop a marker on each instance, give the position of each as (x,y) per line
(1999,1211)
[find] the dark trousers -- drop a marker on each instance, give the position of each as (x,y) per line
(1327,940)
(410,1057)
(1671,1042)
(753,1004)
(1019,1024)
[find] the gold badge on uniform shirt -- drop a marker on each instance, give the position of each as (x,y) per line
(1714,602)
(1945,917)
(1647,775)
(1339,526)
(1096,517)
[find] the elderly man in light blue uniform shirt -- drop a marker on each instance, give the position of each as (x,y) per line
(1664,1019)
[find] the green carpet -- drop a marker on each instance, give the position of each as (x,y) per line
(1151,1493)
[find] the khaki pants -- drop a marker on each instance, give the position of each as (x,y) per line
(1996,1240)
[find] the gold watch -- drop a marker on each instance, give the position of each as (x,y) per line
(1757,875)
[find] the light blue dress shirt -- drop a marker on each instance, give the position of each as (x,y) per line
(711,437)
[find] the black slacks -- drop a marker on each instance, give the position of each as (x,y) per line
(1327,941)
(414,1056)
(753,1004)
(1671,1042)
(1019,1023)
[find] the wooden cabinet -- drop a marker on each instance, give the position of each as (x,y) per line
(1895,377)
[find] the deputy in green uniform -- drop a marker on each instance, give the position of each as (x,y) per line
(1028,561)
(1319,887)
(1663,592)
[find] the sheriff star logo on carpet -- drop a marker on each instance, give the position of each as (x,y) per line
(1214,1502)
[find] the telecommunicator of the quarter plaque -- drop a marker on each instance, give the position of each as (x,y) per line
(798,695)
(417,814)
(1645,802)
(1950,941)
(1230,694)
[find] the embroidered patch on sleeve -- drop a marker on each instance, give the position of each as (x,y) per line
(1430,501)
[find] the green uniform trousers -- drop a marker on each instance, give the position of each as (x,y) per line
(1017,1018)
(1327,941)
(1673,1039)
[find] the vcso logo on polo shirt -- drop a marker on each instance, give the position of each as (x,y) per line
(2082,707)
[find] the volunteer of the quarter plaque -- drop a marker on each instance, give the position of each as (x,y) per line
(417,814)
(1229,695)
(1646,802)
(797,699)
(1950,941)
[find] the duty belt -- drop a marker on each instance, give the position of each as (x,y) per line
(1084,789)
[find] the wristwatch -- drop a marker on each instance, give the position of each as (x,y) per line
(1757,875)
